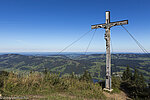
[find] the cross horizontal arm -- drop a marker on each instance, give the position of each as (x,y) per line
(109,24)
(98,26)
(119,23)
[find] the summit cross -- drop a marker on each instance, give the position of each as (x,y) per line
(107,25)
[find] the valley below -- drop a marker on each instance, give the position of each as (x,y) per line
(75,63)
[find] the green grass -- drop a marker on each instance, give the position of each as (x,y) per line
(51,86)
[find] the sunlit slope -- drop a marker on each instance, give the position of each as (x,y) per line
(66,64)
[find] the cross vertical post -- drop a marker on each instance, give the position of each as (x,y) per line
(108,55)
(107,25)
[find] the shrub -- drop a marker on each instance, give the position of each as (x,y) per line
(38,83)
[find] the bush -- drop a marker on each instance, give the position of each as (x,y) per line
(86,76)
(116,81)
(39,83)
(134,84)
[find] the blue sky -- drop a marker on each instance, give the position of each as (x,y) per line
(51,25)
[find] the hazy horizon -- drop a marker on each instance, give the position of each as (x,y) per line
(65,52)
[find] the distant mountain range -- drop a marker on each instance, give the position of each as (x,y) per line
(58,53)
(74,62)
(49,53)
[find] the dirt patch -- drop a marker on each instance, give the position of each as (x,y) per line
(64,95)
(116,96)
(35,97)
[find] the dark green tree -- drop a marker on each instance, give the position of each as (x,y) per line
(116,81)
(72,75)
(136,86)
(3,76)
(86,76)
(142,81)
(135,75)
(127,74)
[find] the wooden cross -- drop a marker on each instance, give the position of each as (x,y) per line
(107,27)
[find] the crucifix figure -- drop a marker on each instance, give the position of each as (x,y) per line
(107,27)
